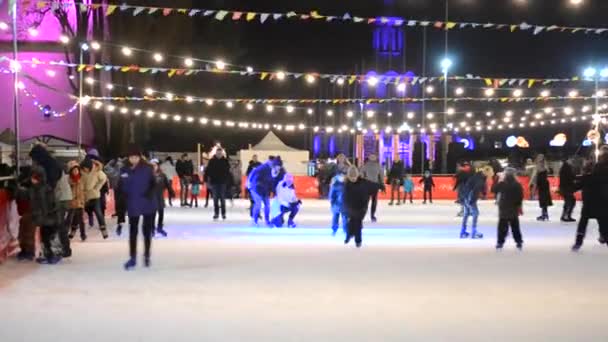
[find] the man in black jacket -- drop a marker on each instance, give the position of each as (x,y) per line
(185,170)
(218,176)
(566,189)
(357,194)
(511,196)
(253,163)
(260,184)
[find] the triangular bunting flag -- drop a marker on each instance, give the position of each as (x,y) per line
(291,14)
(138,10)
(346,16)
(220,15)
(412,23)
(315,15)
(41,4)
(171,72)
(110,9)
(83,8)
(538,29)
(167,11)
(513,28)
(250,16)
(263,75)
(264,17)
(208,13)
(237,15)
(193,12)
(531,83)
(358,19)
(277,16)
(450,25)
(153,10)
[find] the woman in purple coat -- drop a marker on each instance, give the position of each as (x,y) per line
(137,185)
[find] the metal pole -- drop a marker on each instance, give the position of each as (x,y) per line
(80,105)
(16,90)
(444,150)
(597,118)
(423,102)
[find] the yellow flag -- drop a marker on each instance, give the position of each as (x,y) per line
(250,16)
(125,69)
(110,9)
(263,75)
(450,25)
(488,81)
(513,28)
(352,79)
(315,15)
(81,67)
(531,83)
(172,72)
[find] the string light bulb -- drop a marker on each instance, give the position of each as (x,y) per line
(127,51)
(249,106)
(340,81)
(95,45)
(188,62)
(289,109)
(158,57)
(229,105)
(281,75)
(310,79)
(220,64)
(489,92)
(64,39)
(149,91)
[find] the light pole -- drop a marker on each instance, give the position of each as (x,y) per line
(16,88)
(83,47)
(446,64)
(592,73)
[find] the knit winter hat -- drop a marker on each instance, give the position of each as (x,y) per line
(87,163)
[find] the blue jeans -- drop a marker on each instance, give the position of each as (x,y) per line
(336,221)
(258,200)
(470,209)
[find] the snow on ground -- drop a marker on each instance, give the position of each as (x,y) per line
(413,280)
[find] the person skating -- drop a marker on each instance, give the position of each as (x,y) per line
(336,200)
(63,196)
(373,172)
(184,169)
(510,201)
(286,201)
(27,229)
(567,189)
(161,183)
(462,176)
(357,193)
(195,191)
(253,163)
(218,176)
(594,185)
(168,168)
(260,183)
(45,214)
(428,185)
(408,189)
(395,179)
(94,179)
(472,189)
(342,165)
(75,218)
(138,184)
(543,188)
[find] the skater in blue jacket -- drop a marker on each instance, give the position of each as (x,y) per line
(336,199)
(408,188)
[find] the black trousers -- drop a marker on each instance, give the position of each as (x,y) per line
(219,198)
(430,194)
(292,210)
(503,230)
(569,204)
(93,206)
(396,187)
(160,214)
(148,228)
(63,230)
(581,230)
(355,227)
(374,197)
(208,194)
(184,187)
(47,234)
(75,221)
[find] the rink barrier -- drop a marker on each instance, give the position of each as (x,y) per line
(308,188)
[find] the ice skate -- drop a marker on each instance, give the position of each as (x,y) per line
(161,231)
(119,229)
(374,219)
(147,262)
(464,234)
(476,235)
(520,246)
(224,217)
(499,246)
(216,217)
(67,253)
(48,261)
(359,244)
(576,248)
(390,203)
(130,264)
(291,225)
(24,256)
(104,232)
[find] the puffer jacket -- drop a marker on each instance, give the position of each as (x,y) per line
(373,172)
(336,195)
(138,184)
(93,181)
(45,209)
(42,157)
(63,193)
(77,188)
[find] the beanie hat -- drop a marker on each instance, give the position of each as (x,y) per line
(87,163)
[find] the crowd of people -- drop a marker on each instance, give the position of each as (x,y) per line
(62,200)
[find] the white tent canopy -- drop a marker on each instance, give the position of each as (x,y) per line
(295,161)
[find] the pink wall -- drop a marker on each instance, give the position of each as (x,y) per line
(52,91)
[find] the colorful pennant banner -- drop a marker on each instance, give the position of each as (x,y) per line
(315,16)
(333,78)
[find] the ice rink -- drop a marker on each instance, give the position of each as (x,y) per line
(413,280)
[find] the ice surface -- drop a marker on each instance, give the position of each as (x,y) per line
(413,280)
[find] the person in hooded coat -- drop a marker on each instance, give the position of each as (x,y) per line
(27,229)
(138,184)
(510,198)
(567,189)
(75,219)
(357,193)
(52,169)
(218,177)
(94,179)
(161,183)
(286,201)
(395,179)
(45,214)
(260,184)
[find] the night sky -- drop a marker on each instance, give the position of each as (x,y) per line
(347,48)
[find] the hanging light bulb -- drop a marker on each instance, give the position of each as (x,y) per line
(372,81)
(149,91)
(310,79)
(188,62)
(310,111)
(249,106)
(269,108)
(459,91)
(518,93)
(281,75)
(220,64)
(289,109)
(189,99)
(95,45)
(489,92)
(209,102)
(229,104)
(127,51)
(340,81)
(158,57)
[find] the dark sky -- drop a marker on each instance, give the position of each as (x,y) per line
(347,48)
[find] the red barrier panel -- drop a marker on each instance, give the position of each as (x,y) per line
(308,187)
(4,234)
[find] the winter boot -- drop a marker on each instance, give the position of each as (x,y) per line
(390,203)
(119,229)
(52,260)
(520,246)
(25,256)
(499,246)
(129,265)
(104,232)
(291,225)
(147,262)
(83,238)
(576,247)
(67,253)
(464,234)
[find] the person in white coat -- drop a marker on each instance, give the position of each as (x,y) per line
(285,201)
